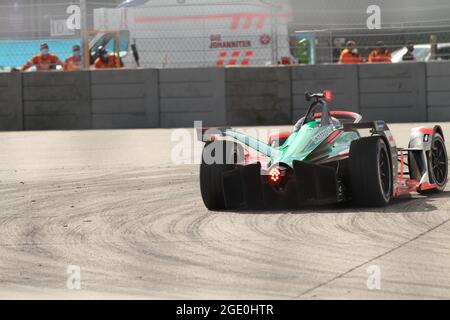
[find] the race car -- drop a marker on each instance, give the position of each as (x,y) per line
(325,159)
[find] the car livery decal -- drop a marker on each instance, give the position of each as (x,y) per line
(322,135)
(390,138)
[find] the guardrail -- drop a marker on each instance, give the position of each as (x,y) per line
(150,98)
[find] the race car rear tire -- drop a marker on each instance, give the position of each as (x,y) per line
(437,165)
(213,168)
(370,172)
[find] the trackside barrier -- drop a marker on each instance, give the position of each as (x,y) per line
(124,99)
(438,91)
(188,95)
(56,101)
(258,96)
(395,93)
(11,102)
(151,98)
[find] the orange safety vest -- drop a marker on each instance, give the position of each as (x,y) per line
(348,58)
(111,64)
(43,64)
(73,64)
(377,57)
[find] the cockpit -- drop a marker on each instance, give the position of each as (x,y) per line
(319,114)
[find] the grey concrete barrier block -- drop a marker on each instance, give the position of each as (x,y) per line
(187,90)
(393,92)
(123,76)
(438,91)
(105,106)
(188,95)
(69,92)
(118,90)
(56,101)
(125,99)
(11,103)
(341,79)
(53,122)
(52,79)
(119,121)
(259,96)
(189,75)
(235,96)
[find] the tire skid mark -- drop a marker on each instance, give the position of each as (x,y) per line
(374,259)
(146,231)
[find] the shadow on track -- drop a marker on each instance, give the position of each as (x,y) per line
(406,204)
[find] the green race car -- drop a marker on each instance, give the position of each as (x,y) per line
(324,160)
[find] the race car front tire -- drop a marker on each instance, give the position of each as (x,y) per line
(370,172)
(218,157)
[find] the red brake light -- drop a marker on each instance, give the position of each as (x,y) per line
(328,95)
(275,175)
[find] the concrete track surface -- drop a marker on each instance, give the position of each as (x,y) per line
(112,203)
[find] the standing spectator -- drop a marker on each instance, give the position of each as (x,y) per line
(381,54)
(350,55)
(74,62)
(44,61)
(107,61)
(409,55)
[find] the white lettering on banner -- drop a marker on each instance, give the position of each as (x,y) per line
(217,43)
(230,44)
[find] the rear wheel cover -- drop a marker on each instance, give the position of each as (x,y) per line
(438,163)
(384,169)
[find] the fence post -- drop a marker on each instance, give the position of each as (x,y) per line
(85,35)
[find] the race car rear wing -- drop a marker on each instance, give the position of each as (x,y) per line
(210,134)
(378,128)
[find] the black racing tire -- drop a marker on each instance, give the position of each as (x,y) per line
(213,168)
(371,180)
(437,165)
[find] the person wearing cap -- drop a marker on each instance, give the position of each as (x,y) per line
(44,61)
(381,54)
(107,61)
(409,55)
(74,62)
(350,55)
